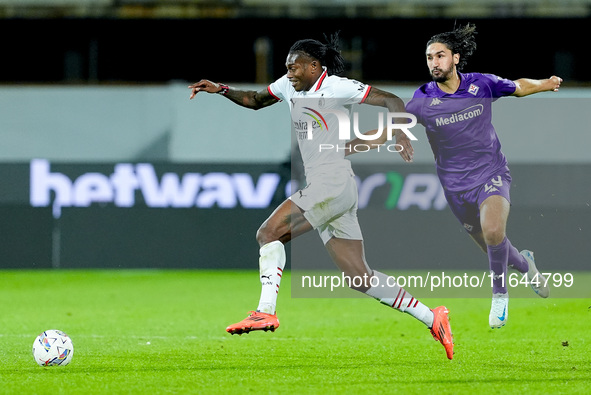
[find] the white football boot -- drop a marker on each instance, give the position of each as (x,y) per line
(537,282)
(499,310)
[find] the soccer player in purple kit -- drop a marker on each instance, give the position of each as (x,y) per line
(456,110)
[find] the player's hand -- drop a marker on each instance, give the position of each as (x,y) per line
(554,82)
(204,86)
(408,151)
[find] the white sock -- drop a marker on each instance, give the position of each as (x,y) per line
(389,293)
(271,264)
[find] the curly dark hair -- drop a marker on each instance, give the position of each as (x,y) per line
(327,54)
(459,41)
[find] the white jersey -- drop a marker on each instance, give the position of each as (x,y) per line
(309,107)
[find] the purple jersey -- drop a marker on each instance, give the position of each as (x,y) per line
(459,128)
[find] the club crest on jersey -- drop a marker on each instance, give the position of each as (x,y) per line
(473,89)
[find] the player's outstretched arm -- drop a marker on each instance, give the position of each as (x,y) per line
(248,99)
(527,86)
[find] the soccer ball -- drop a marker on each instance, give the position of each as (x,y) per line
(52,348)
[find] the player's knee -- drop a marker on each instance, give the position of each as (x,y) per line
(268,233)
(264,235)
(493,234)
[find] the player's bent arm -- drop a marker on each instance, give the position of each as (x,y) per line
(350,146)
(249,99)
(527,86)
(378,97)
(360,145)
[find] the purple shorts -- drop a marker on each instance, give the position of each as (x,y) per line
(466,205)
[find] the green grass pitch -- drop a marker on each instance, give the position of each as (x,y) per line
(163,332)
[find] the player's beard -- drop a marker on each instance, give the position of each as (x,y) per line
(443,76)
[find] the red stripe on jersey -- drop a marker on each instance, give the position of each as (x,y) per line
(366,93)
(321,80)
(271,93)
(409,303)
(416,303)
(280,269)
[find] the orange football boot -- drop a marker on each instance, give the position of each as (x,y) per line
(441,330)
(256,321)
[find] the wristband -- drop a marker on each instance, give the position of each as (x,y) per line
(224,90)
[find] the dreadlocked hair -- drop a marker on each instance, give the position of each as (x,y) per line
(327,54)
(460,41)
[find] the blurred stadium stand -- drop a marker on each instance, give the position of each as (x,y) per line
(90,41)
(148,50)
(293,8)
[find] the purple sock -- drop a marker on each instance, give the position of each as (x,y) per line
(497,260)
(516,260)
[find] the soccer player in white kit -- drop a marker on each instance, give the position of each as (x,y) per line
(329,201)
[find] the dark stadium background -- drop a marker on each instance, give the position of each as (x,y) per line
(157,50)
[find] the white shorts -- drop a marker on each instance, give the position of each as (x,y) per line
(330,205)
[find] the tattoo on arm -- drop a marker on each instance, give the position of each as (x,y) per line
(251,99)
